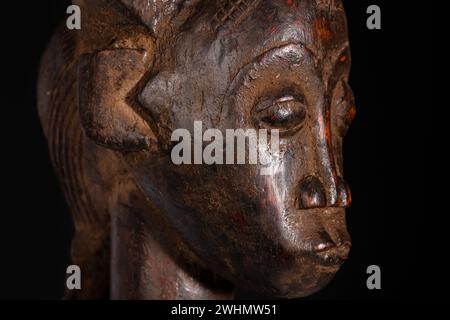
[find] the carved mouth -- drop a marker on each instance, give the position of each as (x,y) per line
(334,256)
(333,243)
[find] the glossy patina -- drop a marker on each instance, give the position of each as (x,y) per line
(110,97)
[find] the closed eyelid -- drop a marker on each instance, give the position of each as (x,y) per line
(265,104)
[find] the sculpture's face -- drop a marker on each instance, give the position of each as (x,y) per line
(282,65)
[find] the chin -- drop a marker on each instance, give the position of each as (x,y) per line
(292,285)
(306,275)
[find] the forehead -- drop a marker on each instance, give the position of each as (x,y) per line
(151,11)
(161,15)
(236,32)
(319,25)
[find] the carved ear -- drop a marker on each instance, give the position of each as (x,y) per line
(107,81)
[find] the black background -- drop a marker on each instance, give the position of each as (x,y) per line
(384,154)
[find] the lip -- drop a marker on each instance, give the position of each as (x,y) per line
(333,255)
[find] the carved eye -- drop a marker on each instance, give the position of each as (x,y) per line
(344,108)
(285,114)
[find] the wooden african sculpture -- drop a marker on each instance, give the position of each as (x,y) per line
(111,94)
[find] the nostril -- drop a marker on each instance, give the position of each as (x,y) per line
(312,194)
(345,198)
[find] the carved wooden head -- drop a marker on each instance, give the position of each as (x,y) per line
(231,64)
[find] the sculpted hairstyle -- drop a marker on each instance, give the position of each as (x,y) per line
(87,84)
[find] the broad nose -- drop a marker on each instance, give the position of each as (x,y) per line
(322,184)
(316,194)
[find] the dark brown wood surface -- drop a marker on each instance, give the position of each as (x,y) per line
(111,94)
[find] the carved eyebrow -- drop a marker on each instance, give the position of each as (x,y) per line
(233,10)
(337,59)
(260,55)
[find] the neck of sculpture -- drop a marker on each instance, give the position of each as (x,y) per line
(149,261)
